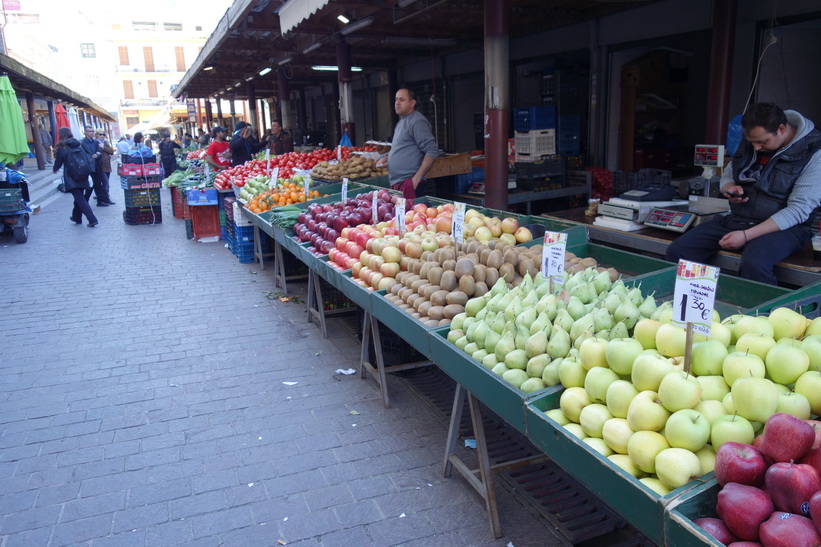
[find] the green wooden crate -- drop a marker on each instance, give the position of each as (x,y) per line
(625,494)
(627,263)
(329,273)
(806,301)
(679,528)
(355,292)
(409,329)
(508,402)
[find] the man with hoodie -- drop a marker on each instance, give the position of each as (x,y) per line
(774,188)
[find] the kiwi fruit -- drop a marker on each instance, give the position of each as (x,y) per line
(483,256)
(424,307)
(491,276)
(456,297)
(435,274)
(429,290)
(507,271)
(467,285)
(481,289)
(439,298)
(444,322)
(416,285)
(452,310)
(448,281)
(464,266)
(494,259)
(437,313)
(511,257)
(479,272)
(410,279)
(431,323)
(449,264)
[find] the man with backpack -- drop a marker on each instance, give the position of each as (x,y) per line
(94,149)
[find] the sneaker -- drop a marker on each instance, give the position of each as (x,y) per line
(92,224)
(102,204)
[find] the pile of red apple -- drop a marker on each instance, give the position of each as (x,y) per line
(322,224)
(771,490)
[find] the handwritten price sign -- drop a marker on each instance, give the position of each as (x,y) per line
(344,189)
(400,215)
(553,256)
(374,215)
(457,227)
(695,295)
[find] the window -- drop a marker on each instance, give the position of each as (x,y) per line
(123,50)
(128,89)
(131,122)
(143,25)
(172,26)
(152,88)
(87,51)
(179,52)
(148,54)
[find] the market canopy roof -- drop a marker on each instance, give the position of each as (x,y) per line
(295,35)
(23,79)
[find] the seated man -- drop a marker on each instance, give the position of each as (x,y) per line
(774,187)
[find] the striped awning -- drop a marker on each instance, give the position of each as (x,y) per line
(296,11)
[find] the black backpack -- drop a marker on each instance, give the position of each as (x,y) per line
(77,164)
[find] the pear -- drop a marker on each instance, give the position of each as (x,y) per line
(480,333)
(550,375)
(499,287)
(471,330)
(668,305)
(491,339)
(575,307)
(537,364)
(602,281)
(619,330)
(612,301)
(514,309)
(543,287)
(583,324)
(602,319)
(457,321)
(527,283)
(462,342)
(574,280)
(548,304)
(482,314)
(647,307)
(627,313)
(635,296)
(504,346)
(522,334)
(479,355)
(536,344)
(577,343)
(471,348)
(542,322)
(618,287)
(564,320)
(582,292)
(499,323)
(527,317)
(475,305)
(559,343)
(490,361)
(530,300)
(454,335)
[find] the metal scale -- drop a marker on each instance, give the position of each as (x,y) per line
(700,208)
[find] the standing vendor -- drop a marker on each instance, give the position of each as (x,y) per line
(413,147)
(218,154)
(774,187)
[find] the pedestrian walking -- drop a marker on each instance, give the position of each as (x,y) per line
(76,171)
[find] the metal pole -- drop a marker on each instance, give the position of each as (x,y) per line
(497,102)
(285,100)
(345,75)
(719,85)
(232,105)
(209,117)
(219,112)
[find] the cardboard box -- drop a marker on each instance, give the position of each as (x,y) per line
(451,164)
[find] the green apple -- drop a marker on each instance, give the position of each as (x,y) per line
(655,485)
(811,345)
(742,365)
(707,457)
(814,327)
(711,409)
(618,397)
(676,467)
(591,353)
(670,340)
(687,428)
(731,428)
(572,401)
(757,344)
(713,388)
(727,401)
(787,323)
(597,381)
(720,333)
(557,416)
(679,390)
(795,404)
(785,363)
(754,398)
(643,447)
(575,430)
(748,323)
(645,333)
(621,352)
(598,445)
(649,369)
(592,418)
(624,462)
(809,385)
(707,358)
(646,413)
(571,372)
(616,433)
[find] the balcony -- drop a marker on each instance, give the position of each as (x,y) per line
(153,101)
(141,69)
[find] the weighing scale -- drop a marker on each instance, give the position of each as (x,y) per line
(478,188)
(699,209)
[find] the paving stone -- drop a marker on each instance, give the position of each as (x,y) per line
(139,518)
(93,506)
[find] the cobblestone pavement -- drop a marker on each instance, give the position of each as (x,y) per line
(146,399)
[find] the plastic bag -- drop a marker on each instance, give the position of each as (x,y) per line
(345,140)
(734,135)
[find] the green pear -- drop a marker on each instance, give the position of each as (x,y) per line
(505,346)
(499,287)
(550,375)
(530,300)
(542,322)
(457,321)
(665,307)
(491,339)
(537,364)
(575,307)
(480,334)
(602,281)
(559,343)
(454,335)
(648,307)
(613,301)
(475,305)
(536,344)
(462,342)
(583,324)
(602,319)
(522,334)
(479,355)
(499,323)
(527,317)
(489,361)
(564,320)
(516,359)
(619,330)
(635,296)
(514,309)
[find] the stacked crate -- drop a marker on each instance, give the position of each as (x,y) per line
(204,212)
(241,234)
(142,207)
(226,202)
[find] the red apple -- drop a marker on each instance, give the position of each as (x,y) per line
(813,459)
(743,508)
(791,485)
(788,530)
(740,463)
(815,509)
(816,425)
(716,528)
(744,544)
(786,438)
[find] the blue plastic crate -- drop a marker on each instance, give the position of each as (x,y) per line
(245,255)
(466,180)
(224,233)
(534,117)
(206,196)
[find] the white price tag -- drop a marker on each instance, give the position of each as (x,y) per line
(457,227)
(400,215)
(344,189)
(307,183)
(267,161)
(695,295)
(274,178)
(553,256)
(374,215)
(339,153)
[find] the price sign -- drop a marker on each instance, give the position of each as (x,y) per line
(274,178)
(344,189)
(695,295)
(553,256)
(307,183)
(374,215)
(267,161)
(400,215)
(457,227)
(339,153)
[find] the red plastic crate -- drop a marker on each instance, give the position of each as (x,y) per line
(176,202)
(139,169)
(206,221)
(186,209)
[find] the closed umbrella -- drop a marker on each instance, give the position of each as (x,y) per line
(61,116)
(13,142)
(74,123)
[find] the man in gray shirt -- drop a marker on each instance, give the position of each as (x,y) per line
(413,147)
(774,187)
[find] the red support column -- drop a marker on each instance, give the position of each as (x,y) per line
(497,102)
(721,57)
(343,63)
